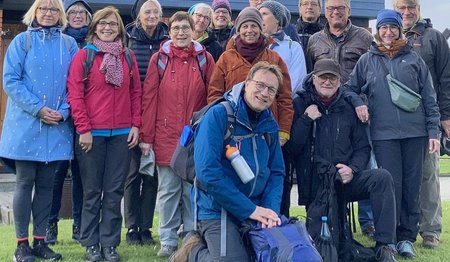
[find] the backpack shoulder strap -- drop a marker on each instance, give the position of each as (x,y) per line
(67,41)
(161,63)
(202,64)
(231,120)
(129,61)
(87,65)
(27,41)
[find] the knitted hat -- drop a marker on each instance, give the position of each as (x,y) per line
(216,4)
(278,10)
(248,14)
(69,3)
(389,17)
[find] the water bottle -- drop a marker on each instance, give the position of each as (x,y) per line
(239,164)
(325,231)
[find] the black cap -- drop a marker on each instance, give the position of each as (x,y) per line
(327,66)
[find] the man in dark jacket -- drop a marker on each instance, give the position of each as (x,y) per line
(324,121)
(339,40)
(309,22)
(432,46)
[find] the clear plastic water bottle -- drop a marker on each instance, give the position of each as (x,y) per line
(325,231)
(239,164)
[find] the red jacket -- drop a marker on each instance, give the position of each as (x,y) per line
(103,106)
(168,104)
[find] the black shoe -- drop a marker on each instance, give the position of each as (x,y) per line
(24,253)
(42,250)
(133,237)
(51,233)
(146,237)
(93,253)
(76,233)
(385,254)
(110,254)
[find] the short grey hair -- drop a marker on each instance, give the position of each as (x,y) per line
(319,1)
(411,2)
(346,3)
(141,10)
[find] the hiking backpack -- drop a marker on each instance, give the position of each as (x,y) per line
(163,60)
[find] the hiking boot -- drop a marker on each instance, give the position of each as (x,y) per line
(42,250)
(368,230)
(190,241)
(385,254)
(166,251)
(76,233)
(406,249)
(110,254)
(51,233)
(146,237)
(430,242)
(24,253)
(133,237)
(93,253)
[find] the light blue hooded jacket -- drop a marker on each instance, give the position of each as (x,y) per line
(32,79)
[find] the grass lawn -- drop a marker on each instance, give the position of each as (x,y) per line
(444,165)
(72,251)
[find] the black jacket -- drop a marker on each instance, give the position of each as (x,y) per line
(339,138)
(212,46)
(222,35)
(306,30)
(144,46)
(434,50)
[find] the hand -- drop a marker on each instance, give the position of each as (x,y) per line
(433,145)
(445,125)
(313,112)
(86,141)
(49,116)
(133,137)
(363,113)
(267,217)
(145,148)
(345,172)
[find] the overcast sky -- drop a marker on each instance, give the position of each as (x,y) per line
(437,10)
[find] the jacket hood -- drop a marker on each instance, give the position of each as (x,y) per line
(138,33)
(69,3)
(420,26)
(165,48)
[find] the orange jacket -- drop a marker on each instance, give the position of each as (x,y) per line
(232,68)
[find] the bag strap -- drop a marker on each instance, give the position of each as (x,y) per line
(129,61)
(87,65)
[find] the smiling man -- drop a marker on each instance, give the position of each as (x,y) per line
(339,40)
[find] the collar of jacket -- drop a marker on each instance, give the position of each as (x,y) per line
(165,48)
(303,26)
(419,27)
(138,33)
(51,31)
(344,35)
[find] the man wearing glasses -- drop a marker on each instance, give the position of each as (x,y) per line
(431,45)
(326,127)
(309,22)
(339,40)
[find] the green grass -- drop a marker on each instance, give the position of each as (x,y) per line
(72,251)
(444,165)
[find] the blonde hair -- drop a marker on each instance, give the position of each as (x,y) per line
(101,14)
(30,15)
(156,3)
(265,66)
(80,5)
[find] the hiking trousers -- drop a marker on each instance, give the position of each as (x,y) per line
(103,173)
(430,198)
(403,158)
(377,186)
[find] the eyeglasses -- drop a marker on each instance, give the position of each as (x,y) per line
(323,78)
(411,8)
(312,4)
(184,28)
(331,9)
(392,28)
(76,12)
(44,10)
(260,86)
(111,24)
(200,16)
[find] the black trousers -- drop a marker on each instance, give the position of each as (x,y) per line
(140,195)
(377,186)
(103,173)
(287,183)
(403,158)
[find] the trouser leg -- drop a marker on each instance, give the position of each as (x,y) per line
(430,197)
(60,176)
(148,199)
(77,192)
(287,184)
(116,169)
(210,251)
(25,177)
(365,214)
(132,203)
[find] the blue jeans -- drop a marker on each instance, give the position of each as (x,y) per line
(77,191)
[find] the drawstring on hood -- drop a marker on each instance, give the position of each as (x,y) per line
(48,30)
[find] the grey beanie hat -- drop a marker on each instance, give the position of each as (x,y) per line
(248,14)
(278,10)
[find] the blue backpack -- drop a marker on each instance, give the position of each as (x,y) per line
(288,242)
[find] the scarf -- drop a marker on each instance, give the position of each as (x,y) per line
(250,51)
(202,37)
(391,51)
(78,33)
(111,65)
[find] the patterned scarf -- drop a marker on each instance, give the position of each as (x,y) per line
(111,65)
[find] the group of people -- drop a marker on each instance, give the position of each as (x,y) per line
(87,92)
